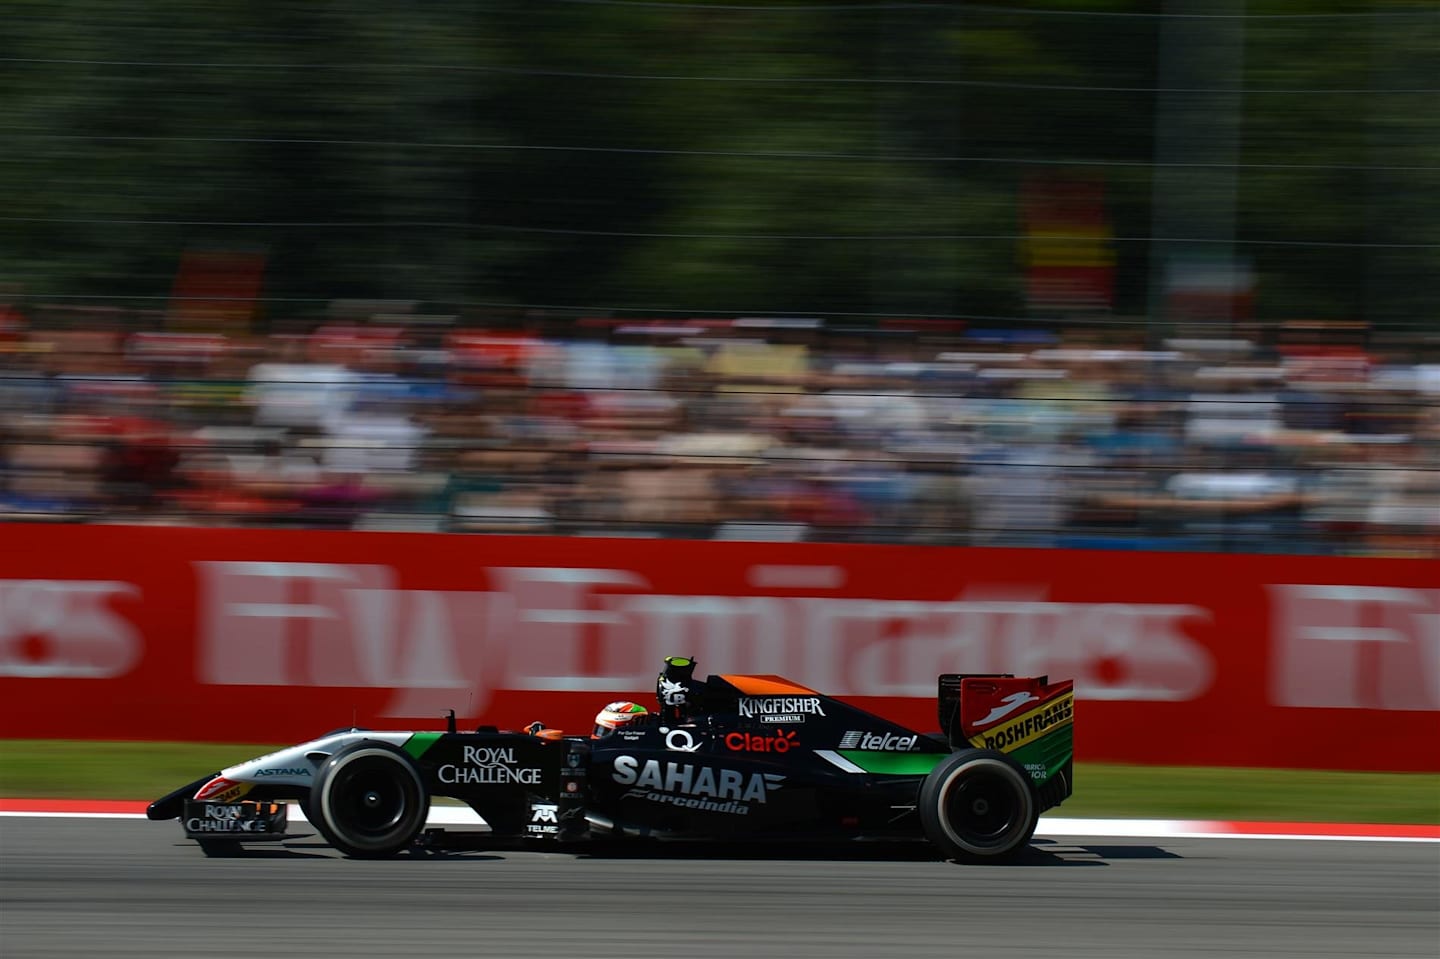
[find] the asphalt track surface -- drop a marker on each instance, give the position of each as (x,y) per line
(126,887)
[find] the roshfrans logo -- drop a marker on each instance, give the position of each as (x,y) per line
(694,786)
(780,709)
(222,790)
(1007,706)
(878,742)
(1022,729)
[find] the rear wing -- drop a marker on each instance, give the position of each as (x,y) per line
(1032,719)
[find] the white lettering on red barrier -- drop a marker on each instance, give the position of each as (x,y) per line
(1114,651)
(584,629)
(548,620)
(66,629)
(1355,647)
(314,624)
(273,624)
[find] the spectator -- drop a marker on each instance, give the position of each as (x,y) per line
(752,429)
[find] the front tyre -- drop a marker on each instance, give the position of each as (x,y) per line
(978,806)
(368,800)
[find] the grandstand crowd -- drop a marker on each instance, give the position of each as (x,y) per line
(751,428)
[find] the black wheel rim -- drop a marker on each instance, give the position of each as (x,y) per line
(370,798)
(982,807)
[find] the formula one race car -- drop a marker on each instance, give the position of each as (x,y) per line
(728,757)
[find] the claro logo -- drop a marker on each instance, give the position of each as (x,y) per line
(66,629)
(580,629)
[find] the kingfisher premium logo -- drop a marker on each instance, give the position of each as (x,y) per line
(780,709)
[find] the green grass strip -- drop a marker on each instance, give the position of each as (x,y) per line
(1299,795)
(122,770)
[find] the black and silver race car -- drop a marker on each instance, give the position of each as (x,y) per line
(728,757)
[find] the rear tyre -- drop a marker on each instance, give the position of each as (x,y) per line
(978,806)
(369,800)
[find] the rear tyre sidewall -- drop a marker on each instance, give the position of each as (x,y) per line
(369,800)
(978,805)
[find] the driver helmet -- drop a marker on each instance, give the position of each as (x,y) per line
(615,716)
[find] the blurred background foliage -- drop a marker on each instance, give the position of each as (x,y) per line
(684,157)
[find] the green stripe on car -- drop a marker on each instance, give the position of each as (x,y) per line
(417,744)
(894,764)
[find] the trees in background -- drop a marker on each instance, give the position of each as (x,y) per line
(863,158)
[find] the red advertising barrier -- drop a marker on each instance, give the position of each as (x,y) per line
(116,632)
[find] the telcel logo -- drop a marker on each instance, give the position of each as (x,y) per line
(877,742)
(781,741)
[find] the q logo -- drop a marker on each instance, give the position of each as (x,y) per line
(680,740)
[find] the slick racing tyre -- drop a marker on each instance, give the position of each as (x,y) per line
(307,808)
(978,806)
(369,800)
